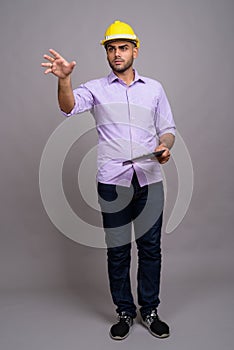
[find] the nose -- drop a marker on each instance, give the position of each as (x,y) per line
(117,52)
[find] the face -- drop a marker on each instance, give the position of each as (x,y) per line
(120,55)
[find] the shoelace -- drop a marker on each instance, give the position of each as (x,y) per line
(150,318)
(125,318)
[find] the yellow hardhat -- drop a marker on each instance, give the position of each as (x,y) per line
(120,30)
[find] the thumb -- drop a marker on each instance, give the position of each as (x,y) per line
(72,64)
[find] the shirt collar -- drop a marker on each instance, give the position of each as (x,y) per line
(112,77)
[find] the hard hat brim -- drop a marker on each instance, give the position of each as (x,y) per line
(106,42)
(136,41)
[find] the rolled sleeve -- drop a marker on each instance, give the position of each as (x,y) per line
(83,101)
(164,119)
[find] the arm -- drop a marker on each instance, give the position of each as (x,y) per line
(65,94)
(62,69)
(166,142)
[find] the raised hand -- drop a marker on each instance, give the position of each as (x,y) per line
(57,65)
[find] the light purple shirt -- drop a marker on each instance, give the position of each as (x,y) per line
(129,121)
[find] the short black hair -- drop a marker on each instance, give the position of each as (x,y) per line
(110,41)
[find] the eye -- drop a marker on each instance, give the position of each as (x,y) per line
(123,48)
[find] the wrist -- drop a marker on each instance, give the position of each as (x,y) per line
(163,144)
(65,81)
(64,85)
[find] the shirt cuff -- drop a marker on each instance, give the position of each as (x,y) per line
(168,131)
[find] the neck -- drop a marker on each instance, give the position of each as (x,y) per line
(127,76)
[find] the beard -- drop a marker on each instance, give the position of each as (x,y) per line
(123,68)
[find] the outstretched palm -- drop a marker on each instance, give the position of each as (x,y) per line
(58,65)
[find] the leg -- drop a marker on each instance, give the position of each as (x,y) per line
(117,226)
(149,268)
(148,238)
(119,278)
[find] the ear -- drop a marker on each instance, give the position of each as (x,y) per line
(135,52)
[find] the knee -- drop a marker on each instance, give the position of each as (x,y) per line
(149,252)
(121,253)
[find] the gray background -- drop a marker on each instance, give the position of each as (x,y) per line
(54,292)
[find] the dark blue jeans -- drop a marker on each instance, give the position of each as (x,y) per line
(142,206)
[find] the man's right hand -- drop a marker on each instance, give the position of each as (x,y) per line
(57,65)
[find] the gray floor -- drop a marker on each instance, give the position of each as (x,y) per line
(197,303)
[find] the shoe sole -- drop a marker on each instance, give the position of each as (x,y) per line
(165,335)
(119,338)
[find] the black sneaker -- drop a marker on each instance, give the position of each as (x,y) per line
(121,329)
(156,327)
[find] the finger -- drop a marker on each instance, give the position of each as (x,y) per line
(163,159)
(72,65)
(46,64)
(166,160)
(49,67)
(165,154)
(55,54)
(47,71)
(49,58)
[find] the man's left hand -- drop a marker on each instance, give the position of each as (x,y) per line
(166,154)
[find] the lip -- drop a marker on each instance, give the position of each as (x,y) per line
(118,62)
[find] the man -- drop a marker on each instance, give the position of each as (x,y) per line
(133,117)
